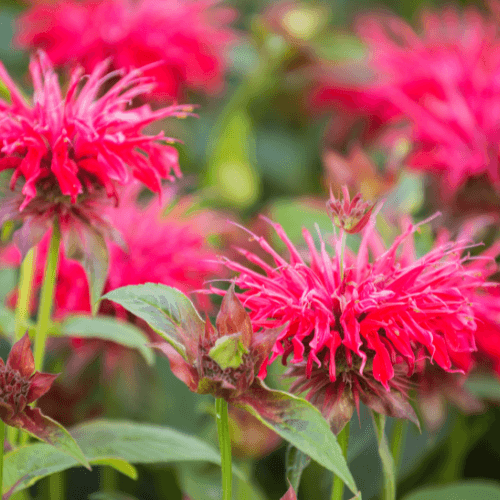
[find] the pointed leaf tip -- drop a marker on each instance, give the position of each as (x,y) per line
(233,318)
(21,358)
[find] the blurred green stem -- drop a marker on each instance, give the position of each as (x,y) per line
(389,488)
(47,296)
(25,288)
(55,483)
(56,486)
(25,292)
(108,479)
(221,416)
(338,484)
(398,438)
(2,441)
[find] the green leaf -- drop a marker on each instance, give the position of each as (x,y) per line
(120,465)
(295,461)
(228,351)
(110,329)
(300,423)
(167,310)
(104,441)
(54,434)
(7,321)
(469,490)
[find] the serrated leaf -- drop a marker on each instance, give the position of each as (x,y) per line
(167,310)
(295,461)
(300,423)
(107,440)
(228,351)
(467,490)
(110,329)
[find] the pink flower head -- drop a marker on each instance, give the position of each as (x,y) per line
(20,385)
(189,37)
(73,151)
(445,82)
(359,336)
(351,216)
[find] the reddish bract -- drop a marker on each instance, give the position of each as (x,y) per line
(20,385)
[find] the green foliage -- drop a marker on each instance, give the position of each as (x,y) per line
(466,490)
(167,310)
(105,442)
(110,329)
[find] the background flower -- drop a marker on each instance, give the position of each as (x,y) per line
(189,37)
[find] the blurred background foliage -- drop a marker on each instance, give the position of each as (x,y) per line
(257,148)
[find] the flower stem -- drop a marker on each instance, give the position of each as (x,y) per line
(25,289)
(221,417)
(342,250)
(338,484)
(47,297)
(398,438)
(2,441)
(389,489)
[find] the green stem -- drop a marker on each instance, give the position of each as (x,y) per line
(47,297)
(2,441)
(24,293)
(108,479)
(221,417)
(389,490)
(398,438)
(342,250)
(25,289)
(338,484)
(56,486)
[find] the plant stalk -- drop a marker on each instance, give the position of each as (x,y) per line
(221,416)
(25,289)
(338,484)
(398,438)
(47,297)
(2,441)
(389,487)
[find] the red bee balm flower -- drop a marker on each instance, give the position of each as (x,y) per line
(73,151)
(189,37)
(19,387)
(358,336)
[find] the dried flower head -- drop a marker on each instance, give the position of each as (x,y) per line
(72,151)
(351,216)
(357,335)
(20,385)
(190,38)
